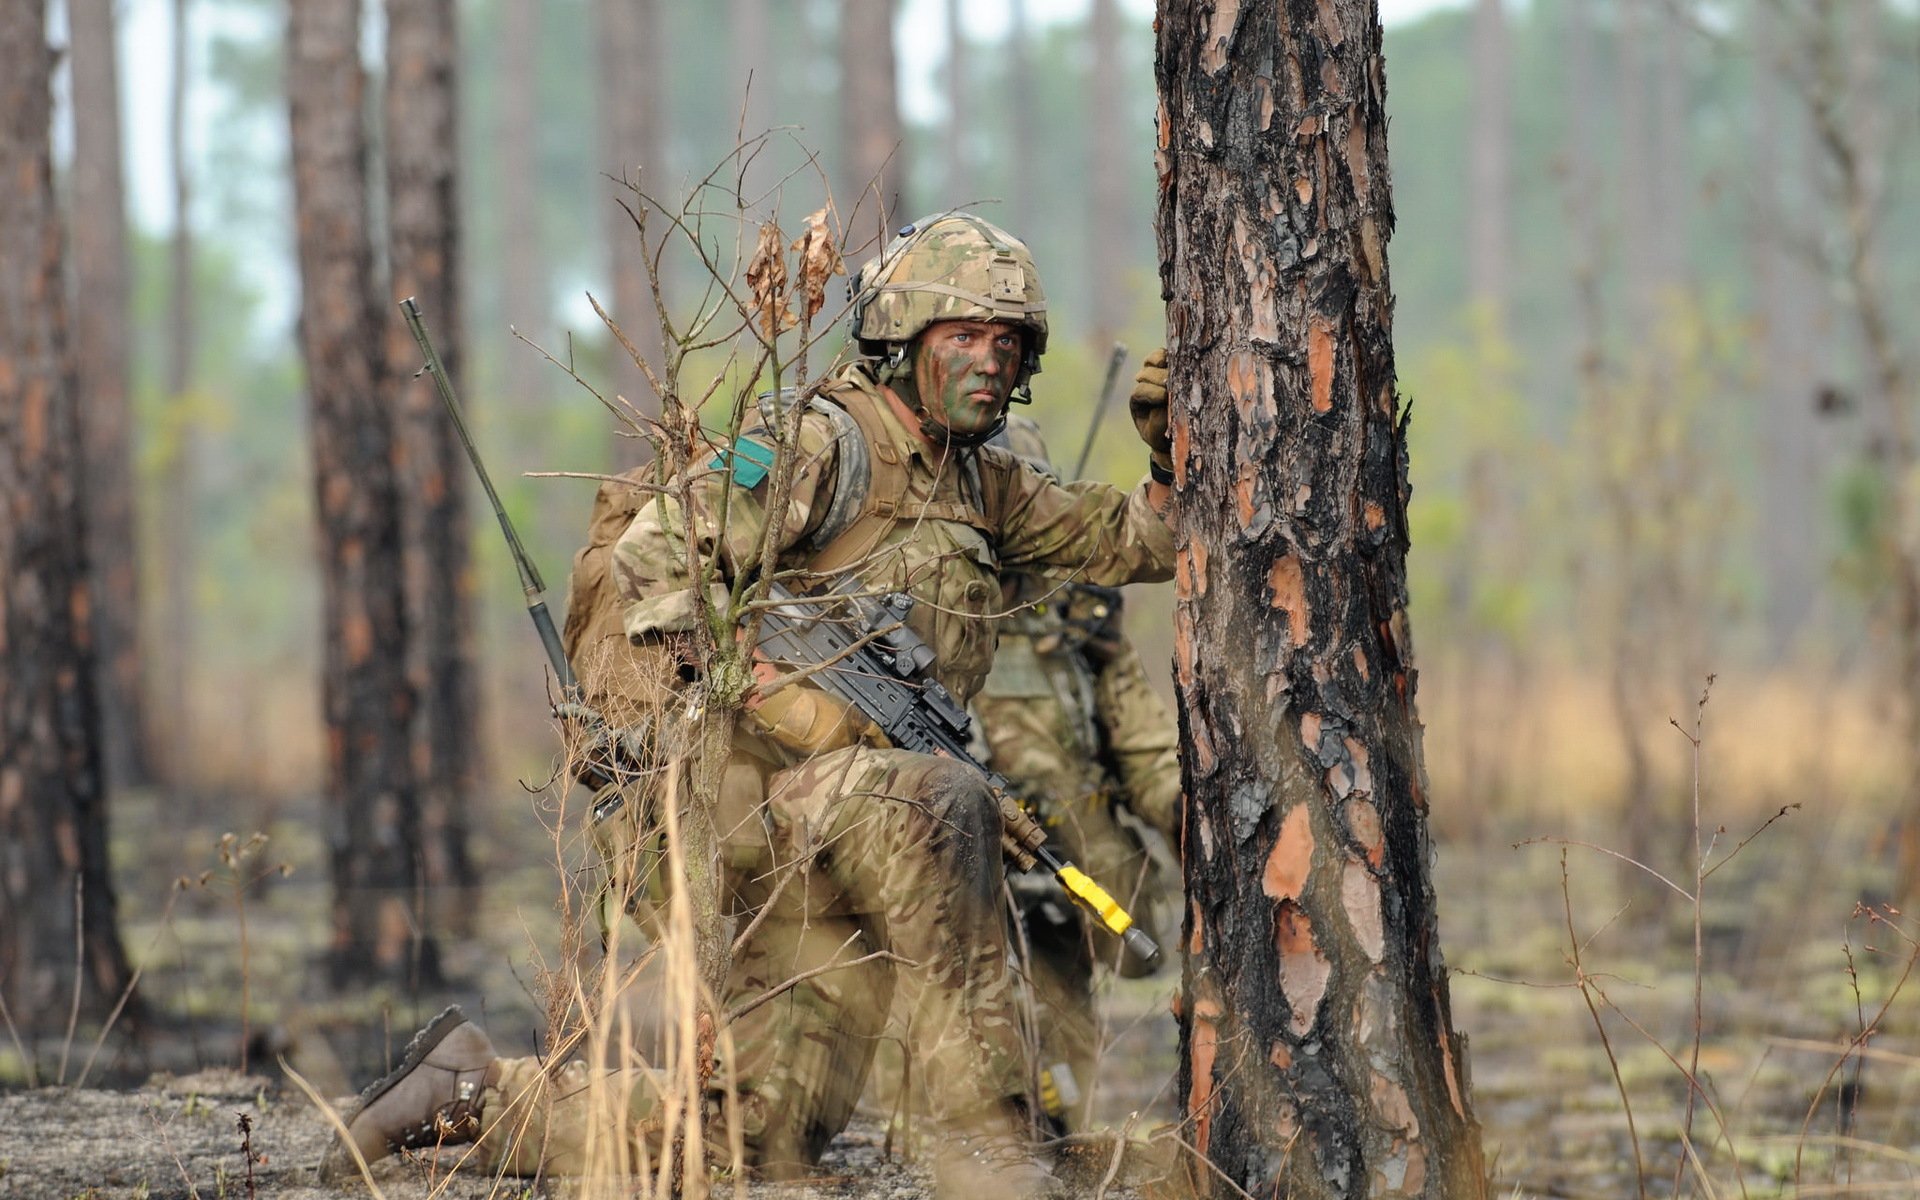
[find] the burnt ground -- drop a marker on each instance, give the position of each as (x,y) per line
(1790,969)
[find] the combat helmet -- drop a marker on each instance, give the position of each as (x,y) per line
(951,266)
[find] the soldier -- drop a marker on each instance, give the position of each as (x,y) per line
(1070,719)
(837,847)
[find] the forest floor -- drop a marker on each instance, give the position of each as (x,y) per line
(1792,970)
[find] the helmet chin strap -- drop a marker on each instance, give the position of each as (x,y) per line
(941,435)
(897,368)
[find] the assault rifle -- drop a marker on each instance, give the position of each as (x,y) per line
(882,668)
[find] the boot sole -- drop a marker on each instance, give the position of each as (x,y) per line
(337,1164)
(423,1044)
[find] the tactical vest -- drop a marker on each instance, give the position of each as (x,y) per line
(871,485)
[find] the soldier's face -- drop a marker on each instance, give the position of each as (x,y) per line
(963,372)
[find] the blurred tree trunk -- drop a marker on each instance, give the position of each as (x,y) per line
(868,189)
(1787,295)
(1488,179)
(174,648)
(1639,243)
(633,151)
(1107,148)
(754,75)
(1838,75)
(103,292)
(1632,640)
(1670,187)
(523,267)
(376,848)
(424,256)
(1318,1056)
(56,898)
(1022,215)
(960,188)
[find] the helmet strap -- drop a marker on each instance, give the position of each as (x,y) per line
(940,435)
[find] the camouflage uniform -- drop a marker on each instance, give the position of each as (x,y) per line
(1070,719)
(895,851)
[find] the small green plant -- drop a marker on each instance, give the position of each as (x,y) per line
(241,869)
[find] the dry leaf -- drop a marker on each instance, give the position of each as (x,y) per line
(819,261)
(767,277)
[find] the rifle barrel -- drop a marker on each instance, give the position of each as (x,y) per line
(530,581)
(1115,361)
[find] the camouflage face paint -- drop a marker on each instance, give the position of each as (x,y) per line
(963,372)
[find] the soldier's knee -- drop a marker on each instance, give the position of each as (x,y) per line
(966,822)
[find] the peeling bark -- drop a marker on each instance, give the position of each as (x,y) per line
(423,231)
(58,927)
(367,700)
(1319,1057)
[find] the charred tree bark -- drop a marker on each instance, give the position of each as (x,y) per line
(368,703)
(872,167)
(633,150)
(1318,1056)
(423,231)
(102,285)
(56,897)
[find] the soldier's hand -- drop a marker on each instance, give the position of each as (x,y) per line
(1148,404)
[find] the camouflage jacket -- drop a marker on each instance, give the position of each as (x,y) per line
(945,534)
(1072,720)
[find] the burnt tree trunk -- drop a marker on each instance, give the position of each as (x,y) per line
(423,236)
(867,189)
(1318,1056)
(368,703)
(102,284)
(632,150)
(56,899)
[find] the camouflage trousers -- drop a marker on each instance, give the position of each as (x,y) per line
(878,883)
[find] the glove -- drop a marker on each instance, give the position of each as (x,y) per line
(1148,404)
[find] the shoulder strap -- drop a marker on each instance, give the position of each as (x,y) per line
(852,480)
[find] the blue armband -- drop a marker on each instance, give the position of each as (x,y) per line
(750,461)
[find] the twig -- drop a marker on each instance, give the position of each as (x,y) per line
(742,1009)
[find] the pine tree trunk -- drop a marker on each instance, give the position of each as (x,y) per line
(867,189)
(56,898)
(1318,1056)
(368,703)
(632,132)
(103,287)
(423,221)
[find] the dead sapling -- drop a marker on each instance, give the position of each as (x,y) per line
(242,868)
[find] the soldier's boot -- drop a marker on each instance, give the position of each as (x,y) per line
(431,1099)
(990,1155)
